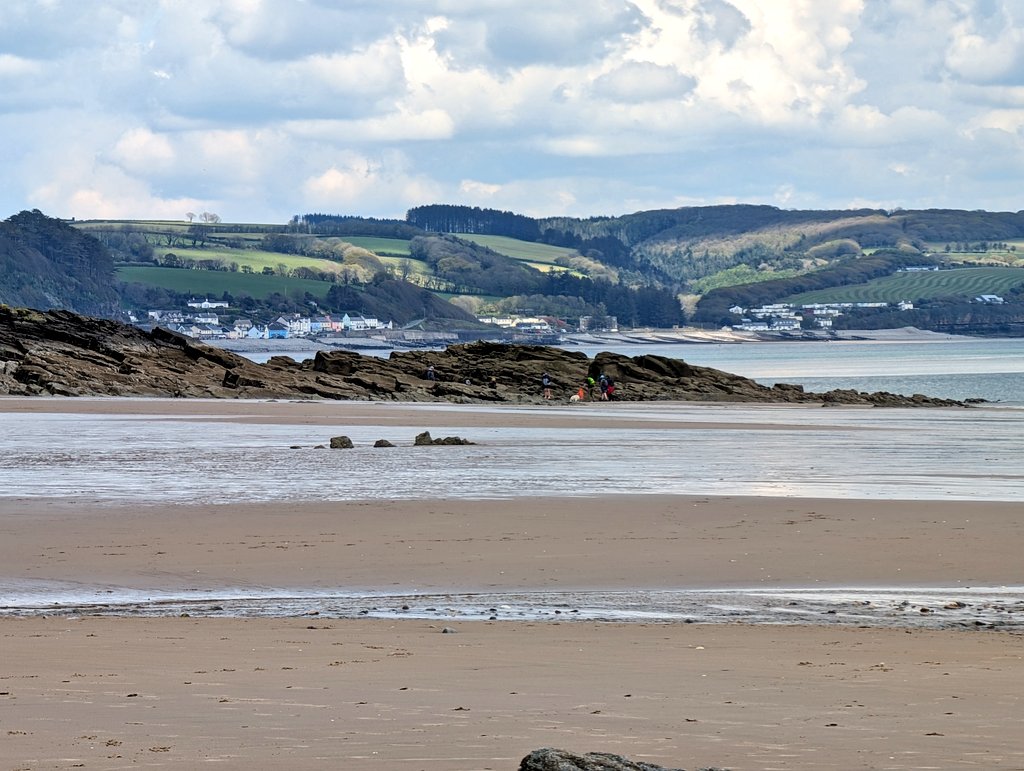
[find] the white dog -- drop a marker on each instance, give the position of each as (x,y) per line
(574,398)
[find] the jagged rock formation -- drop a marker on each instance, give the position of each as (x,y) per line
(61,353)
(548,759)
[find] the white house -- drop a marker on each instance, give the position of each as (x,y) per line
(298,326)
(989,299)
(355,322)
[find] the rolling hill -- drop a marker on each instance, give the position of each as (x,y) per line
(634,266)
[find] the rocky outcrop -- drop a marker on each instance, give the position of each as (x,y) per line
(64,354)
(424,439)
(548,759)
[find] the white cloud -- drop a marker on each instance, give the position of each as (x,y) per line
(355,182)
(478,190)
(261,108)
(139,150)
(17,66)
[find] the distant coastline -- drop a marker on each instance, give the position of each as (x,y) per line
(680,336)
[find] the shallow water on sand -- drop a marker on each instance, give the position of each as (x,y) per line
(922,454)
(920,608)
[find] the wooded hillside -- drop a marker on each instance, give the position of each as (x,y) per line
(45,263)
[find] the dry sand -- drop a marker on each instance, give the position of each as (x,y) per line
(359,694)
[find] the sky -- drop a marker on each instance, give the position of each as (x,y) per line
(258,110)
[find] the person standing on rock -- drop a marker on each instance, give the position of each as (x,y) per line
(545,381)
(431,375)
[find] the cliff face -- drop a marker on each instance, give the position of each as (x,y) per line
(64,354)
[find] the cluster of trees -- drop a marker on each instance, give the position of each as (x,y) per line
(343,225)
(207,216)
(981,246)
(400,301)
(472,268)
(45,263)
(445,218)
(475,269)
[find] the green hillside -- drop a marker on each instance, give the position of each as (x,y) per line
(384,247)
(525,251)
(209,283)
(252,258)
(925,285)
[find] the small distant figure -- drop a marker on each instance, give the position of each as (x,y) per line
(602,381)
(591,385)
(431,375)
(609,391)
(545,381)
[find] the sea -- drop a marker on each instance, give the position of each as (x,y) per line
(796,451)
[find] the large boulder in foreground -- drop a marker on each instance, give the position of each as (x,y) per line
(59,353)
(548,759)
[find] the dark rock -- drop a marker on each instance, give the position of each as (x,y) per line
(425,439)
(62,353)
(382,443)
(548,759)
(341,443)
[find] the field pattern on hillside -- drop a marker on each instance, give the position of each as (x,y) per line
(924,285)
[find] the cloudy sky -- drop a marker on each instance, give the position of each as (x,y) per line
(261,109)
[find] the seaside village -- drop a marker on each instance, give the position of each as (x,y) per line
(781,317)
(203,321)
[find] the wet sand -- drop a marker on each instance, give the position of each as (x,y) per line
(315,692)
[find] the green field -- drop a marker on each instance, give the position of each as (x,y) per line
(377,245)
(925,285)
(525,251)
(254,258)
(209,283)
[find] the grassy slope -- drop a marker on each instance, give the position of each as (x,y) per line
(378,245)
(962,282)
(525,251)
(254,258)
(202,283)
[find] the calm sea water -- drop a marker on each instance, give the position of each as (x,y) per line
(775,450)
(991,369)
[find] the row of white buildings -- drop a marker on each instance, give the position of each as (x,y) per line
(206,325)
(783,317)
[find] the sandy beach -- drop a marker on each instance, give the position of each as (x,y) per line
(319,692)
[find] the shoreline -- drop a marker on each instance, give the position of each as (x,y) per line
(683,336)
